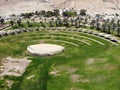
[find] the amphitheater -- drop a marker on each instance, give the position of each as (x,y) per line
(75,45)
(47,57)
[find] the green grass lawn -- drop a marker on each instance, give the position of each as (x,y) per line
(82,67)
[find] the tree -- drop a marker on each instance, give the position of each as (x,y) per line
(86,20)
(72,21)
(51,22)
(36,13)
(118,31)
(107,26)
(55,12)
(28,23)
(58,22)
(19,22)
(65,20)
(83,12)
(118,23)
(42,24)
(92,23)
(97,26)
(103,27)
(109,29)
(2,21)
(43,12)
(12,23)
(48,14)
(77,22)
(112,25)
(27,15)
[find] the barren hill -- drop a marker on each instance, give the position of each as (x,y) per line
(93,6)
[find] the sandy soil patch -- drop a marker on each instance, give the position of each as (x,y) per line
(56,71)
(76,78)
(90,61)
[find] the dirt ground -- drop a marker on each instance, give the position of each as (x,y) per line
(8,7)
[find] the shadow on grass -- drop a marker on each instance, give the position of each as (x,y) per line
(41,83)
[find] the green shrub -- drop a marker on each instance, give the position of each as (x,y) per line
(69,13)
(2,84)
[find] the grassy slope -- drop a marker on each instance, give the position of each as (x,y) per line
(97,66)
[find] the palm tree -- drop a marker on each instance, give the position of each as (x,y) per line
(72,21)
(79,22)
(97,26)
(118,23)
(103,27)
(65,20)
(19,22)
(76,22)
(2,21)
(108,28)
(28,23)
(108,31)
(112,25)
(56,12)
(45,20)
(86,20)
(92,24)
(12,23)
(42,24)
(50,23)
(57,22)
(106,25)
(118,31)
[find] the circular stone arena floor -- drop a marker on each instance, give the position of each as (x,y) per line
(45,49)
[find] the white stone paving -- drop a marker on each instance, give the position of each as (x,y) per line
(45,49)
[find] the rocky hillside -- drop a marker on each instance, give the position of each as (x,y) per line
(93,6)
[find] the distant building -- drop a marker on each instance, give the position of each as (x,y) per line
(64,10)
(60,12)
